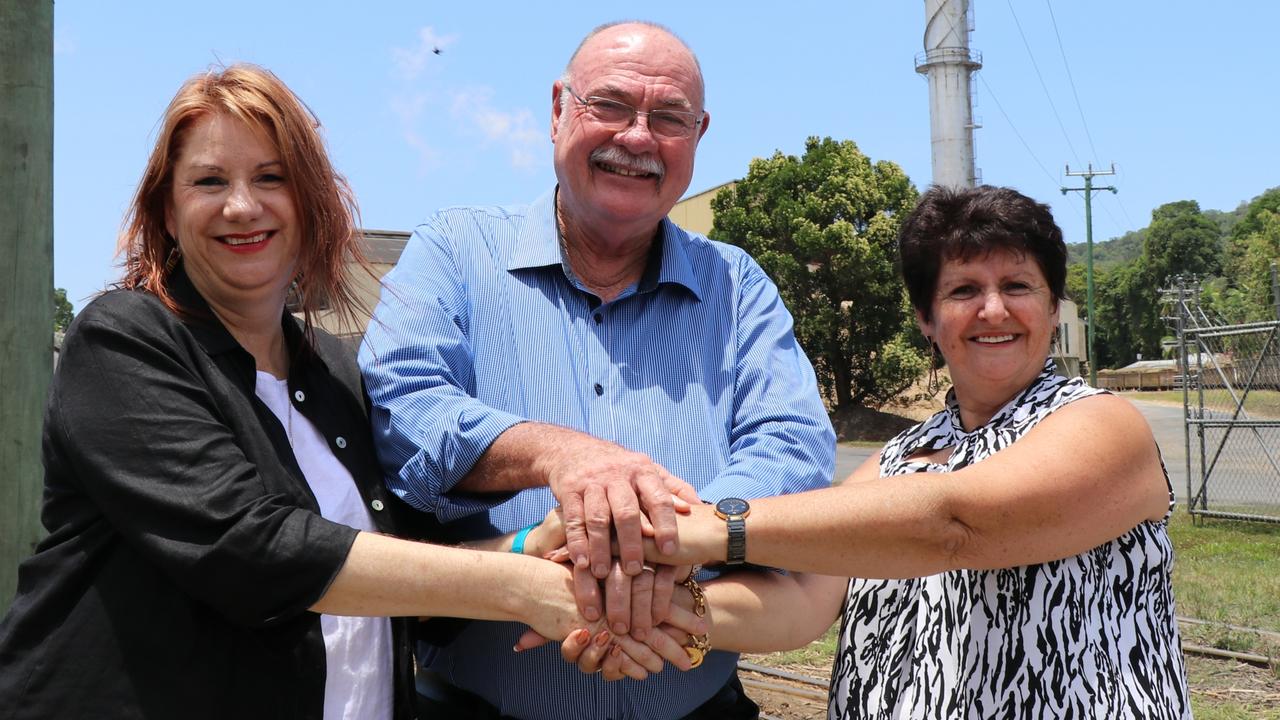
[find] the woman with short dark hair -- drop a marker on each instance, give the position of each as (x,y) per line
(1009,555)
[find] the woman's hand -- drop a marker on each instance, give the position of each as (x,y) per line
(595,653)
(703,540)
(548,536)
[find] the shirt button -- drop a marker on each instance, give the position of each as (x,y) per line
(341,442)
(376,505)
(599,389)
(599,318)
(299,395)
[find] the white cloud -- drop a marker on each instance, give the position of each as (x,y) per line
(410,63)
(514,130)
(409,110)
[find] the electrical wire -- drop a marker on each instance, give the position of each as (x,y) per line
(1014,128)
(1062,50)
(1043,86)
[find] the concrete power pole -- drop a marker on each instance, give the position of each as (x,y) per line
(949,66)
(26,256)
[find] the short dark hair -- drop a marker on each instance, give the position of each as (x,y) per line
(965,223)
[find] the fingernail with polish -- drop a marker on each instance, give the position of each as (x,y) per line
(581,636)
(602,638)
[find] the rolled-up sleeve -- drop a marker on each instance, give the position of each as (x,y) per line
(418,364)
(781,440)
(134,428)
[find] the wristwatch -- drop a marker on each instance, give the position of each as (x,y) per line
(734,512)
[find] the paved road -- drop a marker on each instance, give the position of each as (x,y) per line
(1243,474)
(1247,471)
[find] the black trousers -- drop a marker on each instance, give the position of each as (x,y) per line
(729,703)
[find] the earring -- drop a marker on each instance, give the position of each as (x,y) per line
(170,262)
(933,385)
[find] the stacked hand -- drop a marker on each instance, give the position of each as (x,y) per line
(624,643)
(610,494)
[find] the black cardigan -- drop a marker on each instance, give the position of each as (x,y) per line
(184,544)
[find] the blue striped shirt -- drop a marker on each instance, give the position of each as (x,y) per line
(483,325)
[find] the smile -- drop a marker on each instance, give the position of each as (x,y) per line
(238,240)
(625,172)
(992,339)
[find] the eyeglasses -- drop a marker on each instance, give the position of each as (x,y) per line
(662,123)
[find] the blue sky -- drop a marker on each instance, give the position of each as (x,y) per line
(1174,92)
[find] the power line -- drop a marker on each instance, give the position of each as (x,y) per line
(1070,79)
(1043,86)
(1014,128)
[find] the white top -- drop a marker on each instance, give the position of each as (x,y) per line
(358,658)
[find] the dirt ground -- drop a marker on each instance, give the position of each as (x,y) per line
(1219,689)
(916,403)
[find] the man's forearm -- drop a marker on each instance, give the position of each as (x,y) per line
(519,458)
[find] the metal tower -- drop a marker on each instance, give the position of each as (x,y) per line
(949,65)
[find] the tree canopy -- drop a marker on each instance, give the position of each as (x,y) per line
(62,310)
(1230,253)
(824,227)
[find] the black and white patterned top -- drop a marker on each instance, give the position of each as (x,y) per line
(1090,636)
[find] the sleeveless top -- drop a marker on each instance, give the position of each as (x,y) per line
(1089,636)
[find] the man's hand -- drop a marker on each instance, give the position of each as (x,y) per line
(606,491)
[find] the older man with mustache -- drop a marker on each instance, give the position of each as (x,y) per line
(583,351)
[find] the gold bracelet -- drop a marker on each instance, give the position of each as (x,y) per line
(699,645)
(693,572)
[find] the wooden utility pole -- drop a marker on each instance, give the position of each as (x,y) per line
(26,272)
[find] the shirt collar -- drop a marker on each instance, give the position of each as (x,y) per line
(1048,375)
(538,246)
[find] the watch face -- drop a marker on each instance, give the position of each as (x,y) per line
(732,506)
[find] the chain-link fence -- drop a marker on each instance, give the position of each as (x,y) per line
(1230,379)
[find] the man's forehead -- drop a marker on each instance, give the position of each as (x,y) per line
(638,49)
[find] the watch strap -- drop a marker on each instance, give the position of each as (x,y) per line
(737,551)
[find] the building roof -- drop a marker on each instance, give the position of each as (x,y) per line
(383,247)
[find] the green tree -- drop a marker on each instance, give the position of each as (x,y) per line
(1252,274)
(824,227)
(1181,240)
(1252,217)
(1129,320)
(62,310)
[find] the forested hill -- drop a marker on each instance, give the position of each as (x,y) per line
(1228,253)
(1109,253)
(1117,250)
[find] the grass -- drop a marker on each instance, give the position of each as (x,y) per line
(1225,572)
(1261,404)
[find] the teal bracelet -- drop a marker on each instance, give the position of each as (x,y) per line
(517,543)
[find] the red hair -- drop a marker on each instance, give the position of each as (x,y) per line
(326,208)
